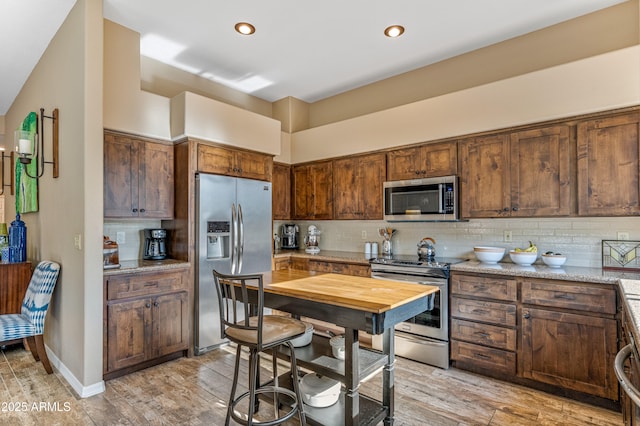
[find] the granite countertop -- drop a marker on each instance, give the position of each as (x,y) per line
(567,273)
(139,265)
(630,294)
(330,255)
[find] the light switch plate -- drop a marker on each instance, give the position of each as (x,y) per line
(120,237)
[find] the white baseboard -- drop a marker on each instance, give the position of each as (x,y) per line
(82,390)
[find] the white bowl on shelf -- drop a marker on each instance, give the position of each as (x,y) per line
(524,258)
(554,260)
(489,254)
(304,339)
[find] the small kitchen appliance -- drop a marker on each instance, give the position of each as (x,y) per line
(110,258)
(311,240)
(155,244)
(290,235)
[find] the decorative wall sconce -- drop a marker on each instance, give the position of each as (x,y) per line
(29,144)
(4,156)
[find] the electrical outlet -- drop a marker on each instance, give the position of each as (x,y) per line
(77,241)
(364,235)
(623,235)
(508,237)
(120,238)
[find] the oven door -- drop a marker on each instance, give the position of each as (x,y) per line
(433,322)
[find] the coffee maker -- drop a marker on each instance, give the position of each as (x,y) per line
(155,244)
(290,234)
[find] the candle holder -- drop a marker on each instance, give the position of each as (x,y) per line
(31,144)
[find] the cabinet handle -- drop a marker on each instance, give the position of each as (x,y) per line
(147,305)
(417,172)
(515,209)
(156,304)
(479,311)
(135,210)
(482,334)
(527,315)
(564,296)
(481,356)
(506,209)
(142,210)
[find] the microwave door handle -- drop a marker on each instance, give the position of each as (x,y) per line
(441,188)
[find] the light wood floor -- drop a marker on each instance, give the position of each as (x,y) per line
(193,391)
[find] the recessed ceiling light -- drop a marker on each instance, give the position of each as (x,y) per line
(394,31)
(245,28)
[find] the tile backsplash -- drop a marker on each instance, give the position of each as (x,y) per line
(579,238)
(131,249)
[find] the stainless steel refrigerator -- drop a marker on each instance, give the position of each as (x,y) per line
(233,229)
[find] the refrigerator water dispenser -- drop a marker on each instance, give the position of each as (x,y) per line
(218,240)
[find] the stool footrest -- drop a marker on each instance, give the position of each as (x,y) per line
(278,391)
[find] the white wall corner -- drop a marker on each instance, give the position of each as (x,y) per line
(82,390)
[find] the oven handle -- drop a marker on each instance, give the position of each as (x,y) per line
(409,278)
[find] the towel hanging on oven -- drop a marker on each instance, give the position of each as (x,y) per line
(431,301)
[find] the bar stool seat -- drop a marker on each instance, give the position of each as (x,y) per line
(258,333)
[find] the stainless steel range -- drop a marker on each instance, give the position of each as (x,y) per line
(425,337)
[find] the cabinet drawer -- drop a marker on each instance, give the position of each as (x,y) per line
(484,334)
(142,284)
(470,355)
(478,310)
(340,268)
(570,296)
(492,288)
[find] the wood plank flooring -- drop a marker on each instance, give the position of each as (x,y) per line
(194,391)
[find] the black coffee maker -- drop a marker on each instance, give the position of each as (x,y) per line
(155,244)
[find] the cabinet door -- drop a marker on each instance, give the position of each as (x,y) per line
(301,192)
(216,160)
(540,171)
(170,323)
(440,159)
(253,165)
(322,190)
(570,350)
(156,196)
(348,189)
(120,176)
(128,335)
(485,189)
(281,184)
(404,164)
(373,171)
(609,166)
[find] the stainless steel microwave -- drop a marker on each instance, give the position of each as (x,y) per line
(429,199)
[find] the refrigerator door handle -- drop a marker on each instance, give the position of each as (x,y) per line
(234,240)
(240,238)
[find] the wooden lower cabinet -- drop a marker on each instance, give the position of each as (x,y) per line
(483,324)
(555,335)
(146,320)
(14,280)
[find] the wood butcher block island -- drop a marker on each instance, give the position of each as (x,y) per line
(355,303)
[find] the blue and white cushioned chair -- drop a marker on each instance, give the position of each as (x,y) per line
(29,324)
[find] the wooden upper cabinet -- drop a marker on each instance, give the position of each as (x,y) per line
(522,174)
(540,172)
(231,162)
(429,160)
(281,183)
(138,177)
(357,187)
(313,190)
(609,166)
(485,189)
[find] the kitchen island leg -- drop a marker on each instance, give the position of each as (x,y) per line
(387,374)
(352,379)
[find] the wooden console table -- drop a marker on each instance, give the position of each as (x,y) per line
(14,280)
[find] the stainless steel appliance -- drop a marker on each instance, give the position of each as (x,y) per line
(429,199)
(290,236)
(233,228)
(155,244)
(311,240)
(425,337)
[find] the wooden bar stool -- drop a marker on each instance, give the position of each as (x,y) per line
(257,332)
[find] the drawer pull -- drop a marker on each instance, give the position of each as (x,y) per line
(482,334)
(527,315)
(481,356)
(151,284)
(479,311)
(147,305)
(481,287)
(564,296)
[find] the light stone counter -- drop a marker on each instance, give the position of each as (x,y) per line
(328,255)
(567,273)
(132,266)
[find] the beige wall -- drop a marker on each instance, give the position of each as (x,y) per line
(603,31)
(598,83)
(69,77)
